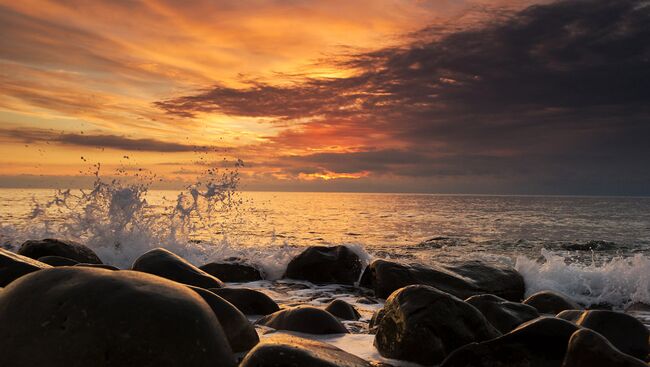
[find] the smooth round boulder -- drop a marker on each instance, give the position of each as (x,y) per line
(587,348)
(248,301)
(167,264)
(14,266)
(343,310)
(321,264)
(55,247)
(537,343)
(57,261)
(625,332)
(304,319)
(98,266)
(76,316)
(240,332)
(232,272)
(422,324)
(551,302)
(502,314)
(288,350)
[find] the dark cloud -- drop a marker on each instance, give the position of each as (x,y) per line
(554,93)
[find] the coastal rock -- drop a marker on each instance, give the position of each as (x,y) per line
(375,320)
(98,266)
(422,324)
(232,272)
(625,332)
(538,343)
(287,350)
(14,266)
(55,247)
(168,265)
(321,264)
(502,314)
(463,280)
(550,302)
(343,310)
(76,316)
(587,348)
(248,301)
(304,319)
(57,261)
(240,332)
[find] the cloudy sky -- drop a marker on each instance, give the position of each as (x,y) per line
(450,96)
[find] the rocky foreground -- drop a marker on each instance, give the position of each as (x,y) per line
(61,306)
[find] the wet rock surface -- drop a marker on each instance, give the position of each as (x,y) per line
(57,260)
(168,265)
(590,349)
(248,301)
(232,272)
(342,310)
(320,264)
(502,314)
(304,319)
(551,302)
(55,247)
(14,266)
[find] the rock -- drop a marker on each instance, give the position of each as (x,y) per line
(76,316)
(232,272)
(375,320)
(168,265)
(14,266)
(240,332)
(463,280)
(304,319)
(625,332)
(54,247)
(57,261)
(98,266)
(587,348)
(550,302)
(503,315)
(321,264)
(288,350)
(343,310)
(248,301)
(638,307)
(538,343)
(422,324)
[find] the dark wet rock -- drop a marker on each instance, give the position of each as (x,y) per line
(232,272)
(287,350)
(98,266)
(54,247)
(14,266)
(304,319)
(76,316)
(57,261)
(321,264)
(538,343)
(168,265)
(376,319)
(240,332)
(463,280)
(367,301)
(343,310)
(590,349)
(591,246)
(423,324)
(625,332)
(248,301)
(551,302)
(503,314)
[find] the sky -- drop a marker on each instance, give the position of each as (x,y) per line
(441,96)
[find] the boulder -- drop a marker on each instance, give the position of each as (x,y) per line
(343,310)
(502,314)
(98,266)
(625,332)
(321,264)
(550,302)
(304,319)
(232,272)
(422,324)
(288,350)
(587,348)
(463,280)
(248,301)
(375,320)
(54,247)
(168,265)
(76,316)
(538,343)
(57,261)
(240,332)
(14,266)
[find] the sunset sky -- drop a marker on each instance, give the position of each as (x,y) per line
(474,96)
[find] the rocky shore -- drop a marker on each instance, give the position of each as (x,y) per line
(61,306)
